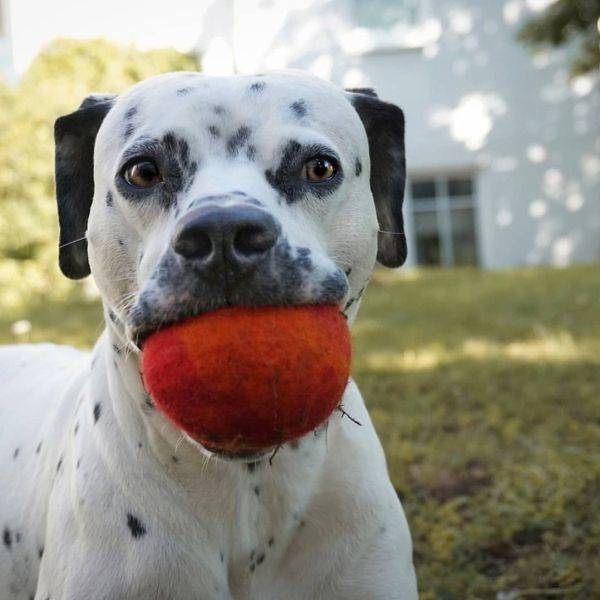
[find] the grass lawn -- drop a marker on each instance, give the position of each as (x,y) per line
(485,390)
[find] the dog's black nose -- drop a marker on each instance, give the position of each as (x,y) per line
(237,236)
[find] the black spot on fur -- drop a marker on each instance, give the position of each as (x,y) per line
(260,558)
(178,169)
(97,411)
(303,259)
(116,349)
(251,466)
(299,108)
(357,167)
(219,110)
(120,241)
(174,459)
(40,552)
(334,286)
(76,428)
(148,403)
(15,453)
(286,178)
(109,199)
(251,152)
(78,464)
(38,448)
(256,491)
(135,526)
(17,537)
(7,538)
(112,316)
(214,131)
(184,91)
(271,541)
(59,464)
(222,556)
(238,140)
(130,113)
(257,86)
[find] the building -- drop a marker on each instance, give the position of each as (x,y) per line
(503,148)
(7,73)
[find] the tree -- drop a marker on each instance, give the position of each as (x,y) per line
(59,78)
(565,21)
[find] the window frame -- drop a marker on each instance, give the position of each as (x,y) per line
(360,40)
(443,204)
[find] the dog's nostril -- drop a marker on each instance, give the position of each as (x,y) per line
(253,239)
(192,243)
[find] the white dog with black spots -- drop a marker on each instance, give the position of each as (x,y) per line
(186,194)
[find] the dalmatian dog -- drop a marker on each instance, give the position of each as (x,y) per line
(183,195)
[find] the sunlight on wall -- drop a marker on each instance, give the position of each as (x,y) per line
(536,153)
(472,119)
(537,209)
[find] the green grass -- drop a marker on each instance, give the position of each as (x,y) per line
(485,390)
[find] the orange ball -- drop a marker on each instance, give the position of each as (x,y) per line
(241,379)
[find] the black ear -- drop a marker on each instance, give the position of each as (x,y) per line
(384,124)
(74,138)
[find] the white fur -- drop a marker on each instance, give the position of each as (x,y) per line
(321,522)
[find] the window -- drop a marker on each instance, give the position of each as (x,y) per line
(443,212)
(385,14)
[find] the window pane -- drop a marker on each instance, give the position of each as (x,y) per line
(428,239)
(463,236)
(460,187)
(423,189)
(384,14)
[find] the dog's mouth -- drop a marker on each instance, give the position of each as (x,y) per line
(176,292)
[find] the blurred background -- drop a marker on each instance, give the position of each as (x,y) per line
(480,358)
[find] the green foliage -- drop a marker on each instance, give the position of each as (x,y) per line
(60,77)
(567,20)
(484,390)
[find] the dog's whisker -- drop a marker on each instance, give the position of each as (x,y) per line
(272,457)
(345,414)
(399,233)
(72,242)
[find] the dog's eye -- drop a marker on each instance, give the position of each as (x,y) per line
(142,174)
(319,169)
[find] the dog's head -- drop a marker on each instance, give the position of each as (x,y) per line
(189,193)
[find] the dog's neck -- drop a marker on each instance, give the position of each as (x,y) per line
(143,430)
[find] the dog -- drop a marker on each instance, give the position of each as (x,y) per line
(183,195)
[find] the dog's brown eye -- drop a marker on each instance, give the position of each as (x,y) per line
(143,174)
(319,169)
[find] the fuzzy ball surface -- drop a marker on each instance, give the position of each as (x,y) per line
(246,379)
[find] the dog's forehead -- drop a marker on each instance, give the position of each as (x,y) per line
(275,105)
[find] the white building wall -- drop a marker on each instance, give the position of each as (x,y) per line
(475,100)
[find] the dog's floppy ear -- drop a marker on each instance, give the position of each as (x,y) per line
(74,138)
(384,124)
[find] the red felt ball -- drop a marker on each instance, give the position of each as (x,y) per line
(243,379)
